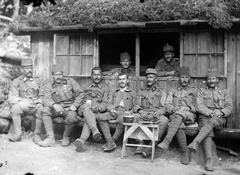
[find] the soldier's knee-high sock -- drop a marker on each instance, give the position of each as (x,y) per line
(207,147)
(173,127)
(118,132)
(182,140)
(38,126)
(85,132)
(17,123)
(68,129)
(162,128)
(105,130)
(204,132)
(48,124)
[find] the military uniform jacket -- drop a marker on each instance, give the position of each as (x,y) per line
(209,99)
(98,94)
(116,96)
(151,99)
(162,66)
(66,94)
(129,72)
(24,88)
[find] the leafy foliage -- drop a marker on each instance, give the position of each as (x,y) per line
(92,13)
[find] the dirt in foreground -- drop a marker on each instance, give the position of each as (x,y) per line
(28,158)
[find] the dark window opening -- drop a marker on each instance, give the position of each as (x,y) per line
(151,46)
(112,45)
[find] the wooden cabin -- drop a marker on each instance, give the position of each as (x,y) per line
(196,43)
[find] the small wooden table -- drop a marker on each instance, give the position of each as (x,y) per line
(140,132)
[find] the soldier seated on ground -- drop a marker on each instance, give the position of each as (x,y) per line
(168,65)
(25,96)
(93,108)
(180,106)
(62,97)
(125,61)
(214,105)
(149,107)
(120,103)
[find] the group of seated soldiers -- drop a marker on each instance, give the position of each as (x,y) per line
(98,104)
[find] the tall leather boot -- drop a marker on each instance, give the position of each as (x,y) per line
(37,131)
(16,119)
(50,140)
(89,118)
(106,132)
(207,147)
(79,143)
(182,141)
(205,131)
(162,127)
(67,131)
(118,132)
(172,129)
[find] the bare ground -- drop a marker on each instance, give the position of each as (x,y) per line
(25,157)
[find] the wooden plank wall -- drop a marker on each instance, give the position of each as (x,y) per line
(42,54)
(233,73)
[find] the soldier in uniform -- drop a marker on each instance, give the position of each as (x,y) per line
(214,105)
(94,107)
(125,61)
(180,106)
(168,66)
(25,96)
(120,103)
(149,106)
(62,97)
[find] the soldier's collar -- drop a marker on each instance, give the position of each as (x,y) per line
(96,85)
(181,88)
(152,88)
(215,88)
(64,82)
(127,89)
(171,63)
(128,70)
(27,78)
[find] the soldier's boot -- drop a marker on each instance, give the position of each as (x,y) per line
(79,143)
(89,118)
(50,140)
(118,132)
(16,119)
(37,131)
(148,151)
(203,133)
(110,145)
(172,129)
(182,141)
(207,147)
(67,131)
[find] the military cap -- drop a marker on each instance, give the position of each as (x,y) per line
(26,62)
(124,56)
(168,48)
(151,71)
(212,73)
(57,68)
(183,71)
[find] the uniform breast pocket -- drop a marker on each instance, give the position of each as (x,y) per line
(68,93)
(207,101)
(56,97)
(144,101)
(221,102)
(156,100)
(129,101)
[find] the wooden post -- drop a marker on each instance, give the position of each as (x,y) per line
(16,8)
(137,55)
